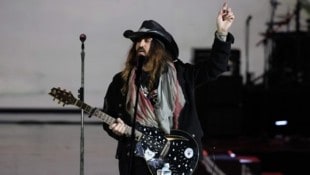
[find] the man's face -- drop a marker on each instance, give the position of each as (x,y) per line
(143,46)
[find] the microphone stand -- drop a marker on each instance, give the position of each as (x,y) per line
(81,96)
(140,61)
(248,74)
(297,15)
(268,44)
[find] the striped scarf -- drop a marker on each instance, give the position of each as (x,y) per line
(170,101)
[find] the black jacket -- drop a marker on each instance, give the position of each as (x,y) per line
(189,76)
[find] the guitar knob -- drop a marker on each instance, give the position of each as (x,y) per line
(189,153)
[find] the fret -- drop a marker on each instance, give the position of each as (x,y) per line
(84,106)
(97,113)
(78,103)
(88,109)
(110,120)
(104,118)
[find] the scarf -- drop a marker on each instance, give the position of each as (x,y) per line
(170,100)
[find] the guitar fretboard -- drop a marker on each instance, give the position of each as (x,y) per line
(105,117)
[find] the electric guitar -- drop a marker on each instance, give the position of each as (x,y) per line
(178,148)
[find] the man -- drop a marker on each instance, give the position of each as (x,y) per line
(165,88)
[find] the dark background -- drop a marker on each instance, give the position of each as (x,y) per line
(240,115)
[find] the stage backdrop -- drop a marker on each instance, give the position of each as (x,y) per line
(40,46)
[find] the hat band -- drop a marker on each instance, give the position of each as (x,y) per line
(146,30)
(143,29)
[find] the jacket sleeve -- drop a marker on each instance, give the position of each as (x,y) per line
(110,106)
(210,68)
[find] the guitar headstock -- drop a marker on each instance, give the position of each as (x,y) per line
(63,96)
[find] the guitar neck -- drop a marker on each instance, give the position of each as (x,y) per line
(105,118)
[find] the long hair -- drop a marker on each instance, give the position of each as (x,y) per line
(155,63)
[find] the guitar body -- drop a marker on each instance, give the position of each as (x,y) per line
(178,149)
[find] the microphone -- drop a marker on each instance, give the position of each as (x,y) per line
(248,19)
(82,37)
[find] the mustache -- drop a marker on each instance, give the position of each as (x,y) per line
(140,49)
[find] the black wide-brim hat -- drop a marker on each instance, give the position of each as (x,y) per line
(153,29)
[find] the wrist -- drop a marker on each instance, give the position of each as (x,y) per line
(221,33)
(221,36)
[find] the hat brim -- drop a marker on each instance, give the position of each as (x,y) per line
(136,35)
(171,45)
